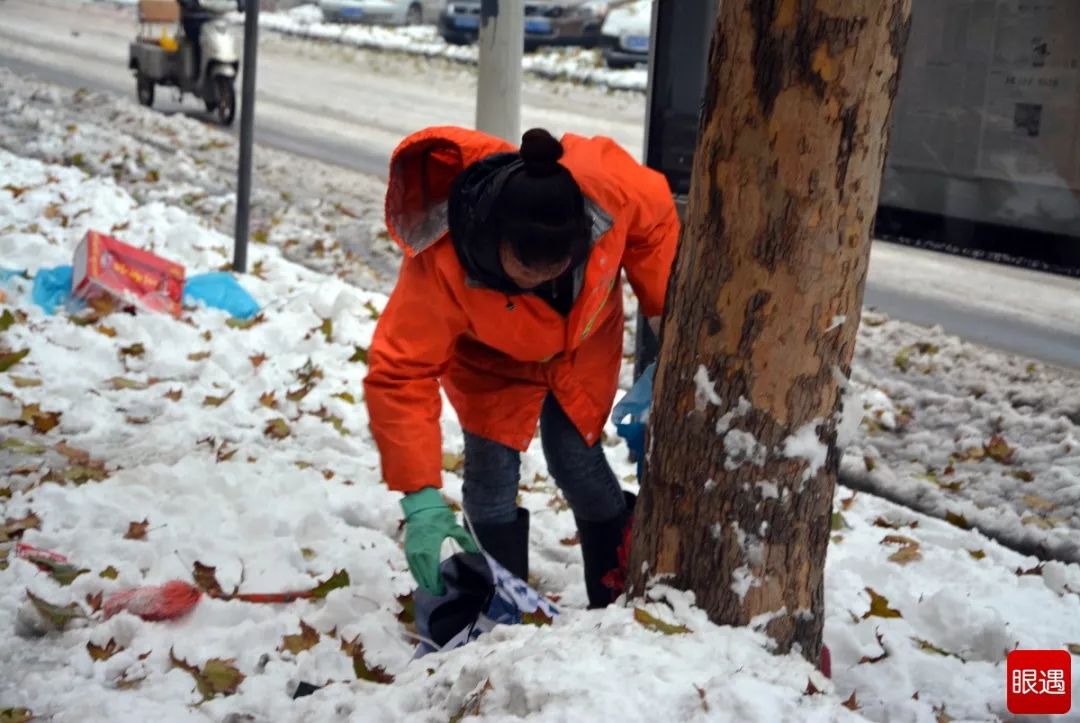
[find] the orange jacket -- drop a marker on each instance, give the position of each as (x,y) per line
(497,360)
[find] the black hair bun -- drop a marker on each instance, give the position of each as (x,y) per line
(541,152)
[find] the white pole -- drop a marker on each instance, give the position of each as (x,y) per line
(498,89)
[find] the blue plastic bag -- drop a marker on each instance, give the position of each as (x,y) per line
(221,290)
(631,415)
(52,288)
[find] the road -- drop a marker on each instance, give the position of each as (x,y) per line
(349,108)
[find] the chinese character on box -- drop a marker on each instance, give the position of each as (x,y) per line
(1039,682)
(104,265)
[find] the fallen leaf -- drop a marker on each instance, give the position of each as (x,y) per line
(244,324)
(58,615)
(207,336)
(407,616)
(225,456)
(1037,570)
(360,354)
(20,446)
(701,696)
(52,211)
(902,360)
(257,360)
(999,450)
(1039,503)
(453,462)
(942,716)
(898,540)
(1074,648)
(472,703)
(1037,521)
(372,311)
(137,530)
(217,676)
(328,475)
(375,674)
(98,652)
(879,607)
(957,520)
(346,397)
(839,523)
(10,359)
(206,580)
(539,618)
(306,640)
(259,270)
(866,659)
(928,647)
(42,422)
(119,383)
(277,429)
(851,703)
(16,715)
(811,689)
(109,573)
(7,320)
(338,580)
(977,554)
(135,350)
(25,382)
(268,400)
(198,356)
(307,553)
(72,453)
(906,554)
(82,473)
(645,619)
(845,504)
(1022,475)
(327,329)
(95,601)
(62,572)
(217,401)
(15,192)
(137,420)
(105,331)
(174,395)
(297,395)
(574,539)
(13,528)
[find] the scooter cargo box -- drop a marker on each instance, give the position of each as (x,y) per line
(159,11)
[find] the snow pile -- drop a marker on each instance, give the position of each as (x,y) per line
(245,448)
(571,64)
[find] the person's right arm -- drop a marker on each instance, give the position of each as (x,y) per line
(412,347)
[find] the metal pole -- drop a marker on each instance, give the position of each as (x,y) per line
(498,89)
(247,131)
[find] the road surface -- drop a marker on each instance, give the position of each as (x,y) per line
(350,107)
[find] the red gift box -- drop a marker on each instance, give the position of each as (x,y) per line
(105,265)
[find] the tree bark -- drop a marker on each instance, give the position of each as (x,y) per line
(763,308)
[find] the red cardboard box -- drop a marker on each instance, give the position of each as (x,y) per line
(105,265)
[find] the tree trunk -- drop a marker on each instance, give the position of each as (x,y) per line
(763,309)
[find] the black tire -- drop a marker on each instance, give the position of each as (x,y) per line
(144,89)
(225,93)
(414,15)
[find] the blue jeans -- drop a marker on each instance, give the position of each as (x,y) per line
(581,471)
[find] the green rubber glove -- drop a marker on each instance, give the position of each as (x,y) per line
(428,521)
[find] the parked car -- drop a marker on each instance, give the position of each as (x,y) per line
(626,32)
(381,12)
(547,22)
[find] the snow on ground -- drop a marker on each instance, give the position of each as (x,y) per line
(326,217)
(957,430)
(573,64)
(182,434)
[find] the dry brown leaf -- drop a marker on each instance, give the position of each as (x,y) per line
(137,530)
(575,539)
(879,606)
(72,453)
(277,429)
(307,639)
(14,527)
(174,394)
(105,331)
(1039,503)
(206,580)
(217,401)
(851,703)
(198,356)
(906,554)
(268,400)
(105,652)
(375,674)
(257,360)
(999,450)
(135,350)
(25,382)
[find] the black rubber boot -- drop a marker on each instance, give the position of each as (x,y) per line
(600,543)
(507,543)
